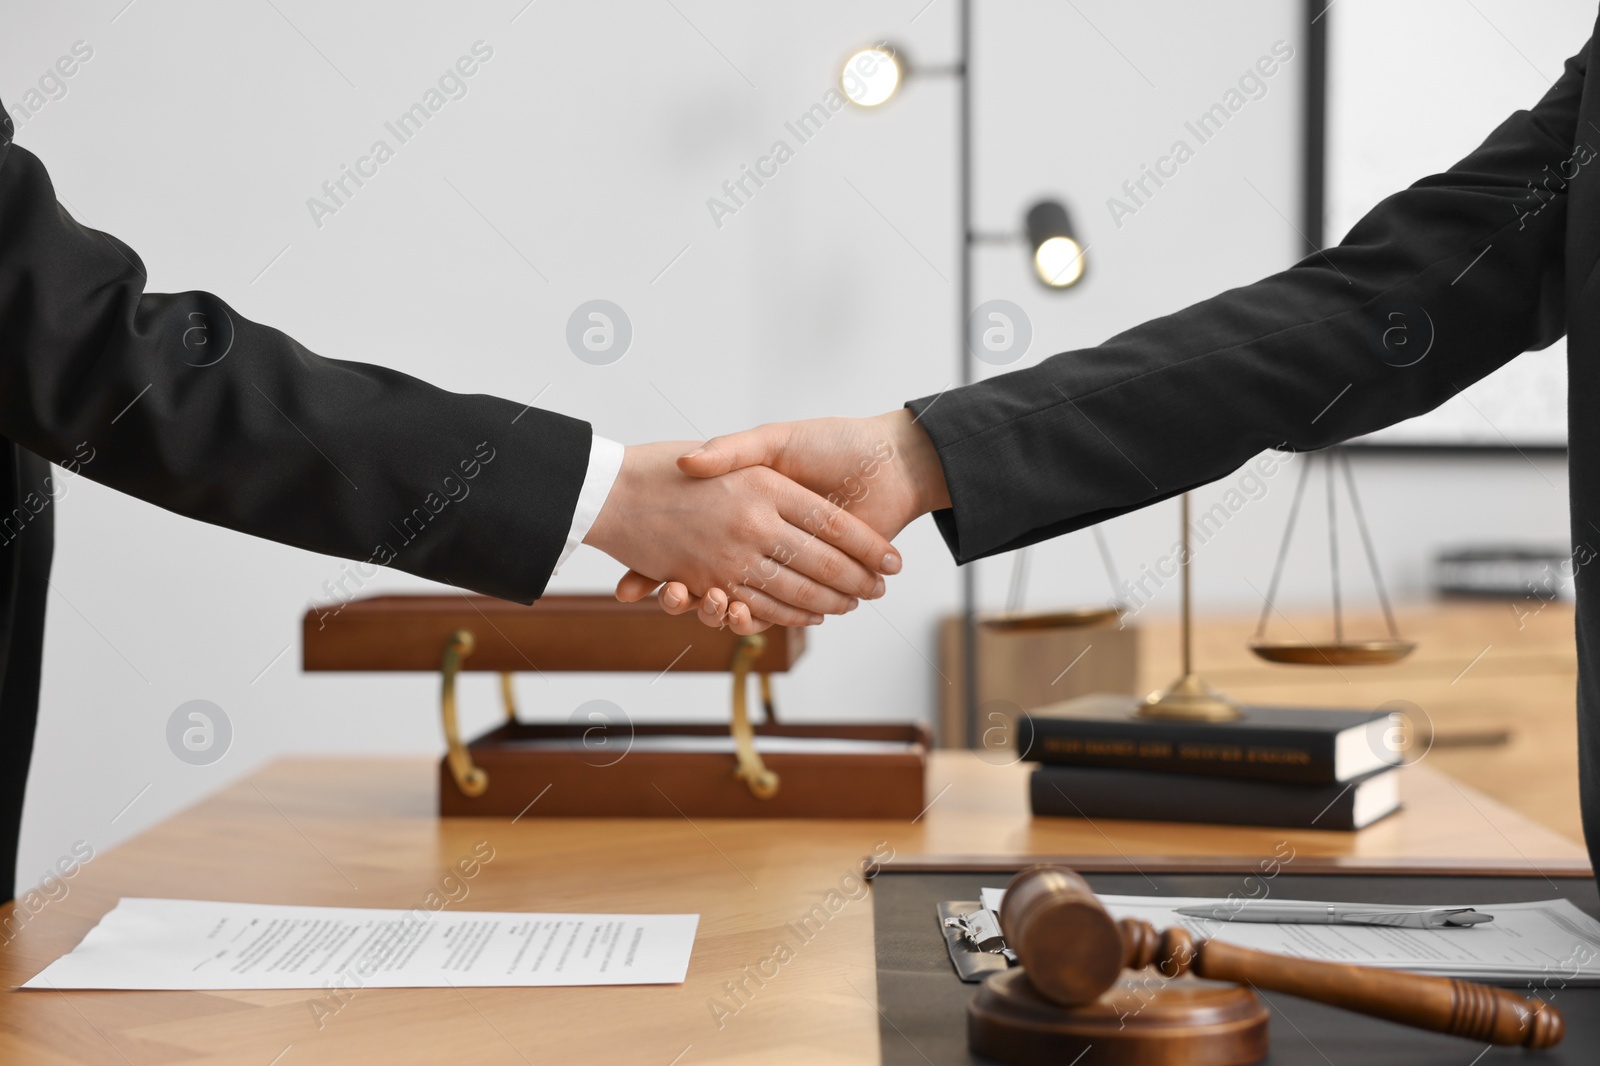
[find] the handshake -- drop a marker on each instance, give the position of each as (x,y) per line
(782,524)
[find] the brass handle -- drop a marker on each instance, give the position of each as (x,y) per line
(470,779)
(766,699)
(763,783)
(508,696)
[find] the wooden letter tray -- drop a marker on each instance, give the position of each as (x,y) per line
(650,770)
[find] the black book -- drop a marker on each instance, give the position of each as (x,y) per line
(1291,744)
(1096,792)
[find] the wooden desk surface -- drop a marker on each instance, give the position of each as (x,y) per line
(363,833)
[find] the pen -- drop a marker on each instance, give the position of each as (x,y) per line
(1290,912)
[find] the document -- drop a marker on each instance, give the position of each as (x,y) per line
(201,944)
(1547,941)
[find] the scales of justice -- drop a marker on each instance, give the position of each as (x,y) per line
(1189,697)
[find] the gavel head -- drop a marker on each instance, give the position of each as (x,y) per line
(1070,946)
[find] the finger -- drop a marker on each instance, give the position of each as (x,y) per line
(675,598)
(714,608)
(634,587)
(741,621)
(754,447)
(814,557)
(800,570)
(833,525)
(782,582)
(831,570)
(769,608)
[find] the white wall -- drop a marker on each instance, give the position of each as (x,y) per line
(592,140)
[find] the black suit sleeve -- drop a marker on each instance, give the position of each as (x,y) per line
(1302,359)
(179,400)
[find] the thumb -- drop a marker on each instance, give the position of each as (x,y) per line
(754,447)
(635,586)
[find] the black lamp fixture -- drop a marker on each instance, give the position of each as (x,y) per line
(870,78)
(1057,256)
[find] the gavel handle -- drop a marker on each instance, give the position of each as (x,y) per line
(1445,1005)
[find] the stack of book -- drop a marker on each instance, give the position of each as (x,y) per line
(1280,766)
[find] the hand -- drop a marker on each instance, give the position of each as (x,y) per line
(883,470)
(785,554)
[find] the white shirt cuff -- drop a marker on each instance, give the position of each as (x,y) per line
(605,460)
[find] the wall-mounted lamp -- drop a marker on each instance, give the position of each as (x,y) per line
(1057,255)
(871,75)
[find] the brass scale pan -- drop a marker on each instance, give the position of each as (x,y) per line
(1339,651)
(1380,652)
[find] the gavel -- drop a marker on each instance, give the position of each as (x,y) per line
(1071,990)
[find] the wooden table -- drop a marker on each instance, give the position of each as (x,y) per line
(363,833)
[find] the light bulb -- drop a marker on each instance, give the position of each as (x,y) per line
(1059,262)
(871,76)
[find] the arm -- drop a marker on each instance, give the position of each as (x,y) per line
(179,400)
(1319,353)
(1472,261)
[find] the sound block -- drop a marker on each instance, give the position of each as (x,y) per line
(1144,1019)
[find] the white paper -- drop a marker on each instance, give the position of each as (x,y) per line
(1546,939)
(201,944)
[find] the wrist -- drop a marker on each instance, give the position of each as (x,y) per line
(914,449)
(605,533)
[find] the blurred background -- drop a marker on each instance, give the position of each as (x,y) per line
(579,162)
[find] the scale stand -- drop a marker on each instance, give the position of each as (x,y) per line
(1189,697)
